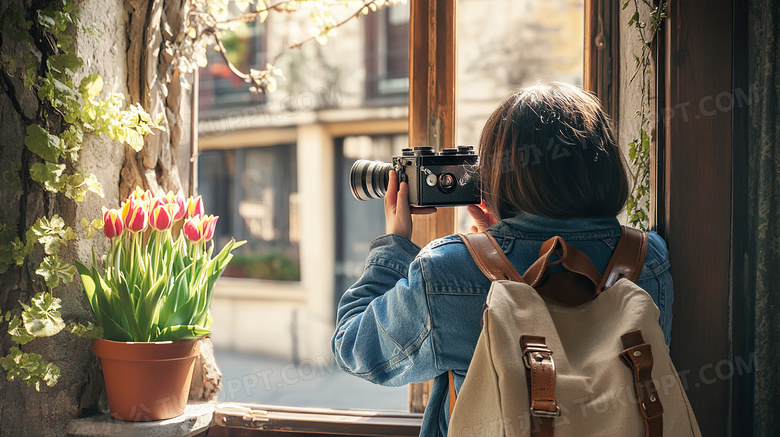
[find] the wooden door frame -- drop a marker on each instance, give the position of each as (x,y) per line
(700,186)
(432,115)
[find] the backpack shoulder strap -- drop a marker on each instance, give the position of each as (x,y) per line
(627,259)
(490,257)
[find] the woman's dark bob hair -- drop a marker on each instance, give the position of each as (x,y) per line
(549,150)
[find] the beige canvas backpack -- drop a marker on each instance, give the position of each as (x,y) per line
(569,354)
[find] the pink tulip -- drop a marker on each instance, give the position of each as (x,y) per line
(209,225)
(181,207)
(162,216)
(193,229)
(112,223)
(134,215)
(195,207)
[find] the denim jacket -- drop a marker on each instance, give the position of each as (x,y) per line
(415,313)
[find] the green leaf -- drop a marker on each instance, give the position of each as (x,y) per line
(42,143)
(46,21)
(92,184)
(112,330)
(91,86)
(52,233)
(53,269)
(64,42)
(645,141)
(88,282)
(42,318)
(634,19)
(72,140)
(30,78)
(181,332)
(29,368)
(66,63)
(89,332)
(625,5)
(18,332)
(49,175)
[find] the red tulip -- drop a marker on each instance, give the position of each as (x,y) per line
(181,207)
(134,215)
(112,223)
(195,207)
(140,196)
(193,229)
(209,225)
(162,216)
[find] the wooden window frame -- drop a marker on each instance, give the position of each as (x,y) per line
(602,54)
(432,121)
(432,116)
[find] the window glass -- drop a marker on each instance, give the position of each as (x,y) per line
(220,90)
(503,45)
(253,190)
(271,164)
(387,48)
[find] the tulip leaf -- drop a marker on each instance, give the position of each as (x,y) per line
(182,332)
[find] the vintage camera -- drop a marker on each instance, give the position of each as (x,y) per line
(446,178)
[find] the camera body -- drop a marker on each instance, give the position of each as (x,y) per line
(446,178)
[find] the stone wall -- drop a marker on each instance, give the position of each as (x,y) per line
(23,411)
(165,164)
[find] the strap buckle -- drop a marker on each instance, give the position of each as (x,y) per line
(544,413)
(537,353)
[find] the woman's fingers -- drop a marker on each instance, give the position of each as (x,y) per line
(481,219)
(392,191)
(402,201)
(491,219)
(398,212)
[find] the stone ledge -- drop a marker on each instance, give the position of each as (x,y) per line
(197,418)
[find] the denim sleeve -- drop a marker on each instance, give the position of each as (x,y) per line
(383,323)
(656,280)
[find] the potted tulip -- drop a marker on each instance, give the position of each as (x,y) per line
(151,297)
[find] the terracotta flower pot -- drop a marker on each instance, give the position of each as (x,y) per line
(147,381)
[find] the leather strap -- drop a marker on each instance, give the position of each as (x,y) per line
(571,288)
(569,256)
(453,395)
(638,356)
(540,375)
(490,258)
(627,259)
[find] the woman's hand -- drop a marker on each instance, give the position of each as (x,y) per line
(483,219)
(398,213)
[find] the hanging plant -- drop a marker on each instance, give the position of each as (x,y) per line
(638,204)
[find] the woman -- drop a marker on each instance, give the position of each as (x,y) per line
(549,165)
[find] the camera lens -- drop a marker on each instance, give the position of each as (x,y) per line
(447,182)
(368,179)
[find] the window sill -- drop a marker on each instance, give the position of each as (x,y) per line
(196,420)
(237,419)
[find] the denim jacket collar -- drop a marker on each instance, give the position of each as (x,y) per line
(535,227)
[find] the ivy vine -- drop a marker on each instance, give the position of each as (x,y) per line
(638,205)
(54,138)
